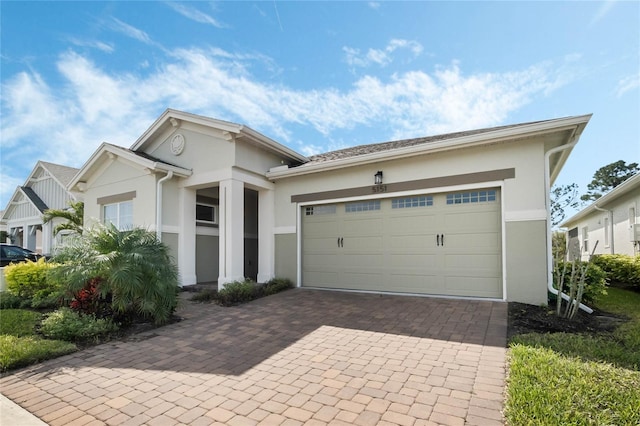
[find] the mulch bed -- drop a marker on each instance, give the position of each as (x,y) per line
(524,318)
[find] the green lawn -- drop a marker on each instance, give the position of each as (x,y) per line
(19,344)
(571,379)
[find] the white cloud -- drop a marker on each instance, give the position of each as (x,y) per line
(381,57)
(374,5)
(65,125)
(195,14)
(130,31)
(95,44)
(628,84)
(602,11)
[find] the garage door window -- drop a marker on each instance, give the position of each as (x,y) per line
(320,210)
(403,203)
(364,206)
(471,197)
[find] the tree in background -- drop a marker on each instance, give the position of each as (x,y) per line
(608,177)
(562,197)
(74,216)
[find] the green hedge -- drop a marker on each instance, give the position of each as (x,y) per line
(33,283)
(595,280)
(69,325)
(622,270)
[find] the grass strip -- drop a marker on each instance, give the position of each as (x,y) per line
(18,352)
(18,322)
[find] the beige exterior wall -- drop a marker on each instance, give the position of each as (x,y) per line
(286,257)
(171,240)
(524,196)
(620,218)
(526,268)
(120,177)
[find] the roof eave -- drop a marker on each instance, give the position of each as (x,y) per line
(525,130)
(622,189)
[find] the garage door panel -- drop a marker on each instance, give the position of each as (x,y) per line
(391,245)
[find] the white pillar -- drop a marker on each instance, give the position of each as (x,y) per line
(187,237)
(231,226)
(47,237)
(266,241)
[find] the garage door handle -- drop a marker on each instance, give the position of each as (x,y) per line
(338,241)
(438,240)
(442,239)
(341,242)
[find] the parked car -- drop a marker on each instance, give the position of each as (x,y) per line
(14,254)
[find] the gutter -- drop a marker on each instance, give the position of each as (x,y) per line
(159,204)
(547,185)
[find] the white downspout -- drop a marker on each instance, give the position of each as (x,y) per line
(547,185)
(610,217)
(159,204)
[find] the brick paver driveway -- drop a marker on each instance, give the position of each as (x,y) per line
(299,357)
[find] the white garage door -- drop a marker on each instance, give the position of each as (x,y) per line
(441,244)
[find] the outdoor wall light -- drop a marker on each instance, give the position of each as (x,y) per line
(378,178)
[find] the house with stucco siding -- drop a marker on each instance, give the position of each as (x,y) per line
(610,225)
(463,214)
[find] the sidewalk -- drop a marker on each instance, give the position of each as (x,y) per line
(13,414)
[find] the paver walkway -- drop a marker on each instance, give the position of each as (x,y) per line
(298,357)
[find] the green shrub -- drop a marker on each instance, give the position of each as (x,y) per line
(622,270)
(276,285)
(595,281)
(237,292)
(207,295)
(66,324)
(133,267)
(34,282)
(9,300)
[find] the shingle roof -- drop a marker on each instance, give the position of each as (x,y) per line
(63,173)
(37,201)
(388,146)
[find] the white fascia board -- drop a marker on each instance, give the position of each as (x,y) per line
(622,189)
(184,116)
(500,135)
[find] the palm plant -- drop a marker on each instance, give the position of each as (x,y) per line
(74,216)
(132,266)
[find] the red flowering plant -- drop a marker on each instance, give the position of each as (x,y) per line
(88,300)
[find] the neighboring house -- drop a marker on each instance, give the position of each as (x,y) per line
(3,225)
(611,221)
(463,214)
(45,188)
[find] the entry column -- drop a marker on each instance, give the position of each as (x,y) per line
(231,226)
(266,245)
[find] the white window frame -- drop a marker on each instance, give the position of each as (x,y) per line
(215,214)
(118,217)
(585,239)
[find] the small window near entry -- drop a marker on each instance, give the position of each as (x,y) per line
(320,210)
(403,203)
(364,206)
(119,214)
(206,214)
(471,197)
(585,239)
(606,231)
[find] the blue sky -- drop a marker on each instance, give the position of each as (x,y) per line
(316,76)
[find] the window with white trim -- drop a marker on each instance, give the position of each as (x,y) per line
(472,197)
(118,214)
(606,231)
(408,202)
(206,214)
(363,206)
(320,210)
(585,239)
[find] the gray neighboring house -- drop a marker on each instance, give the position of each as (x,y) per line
(458,215)
(45,188)
(612,221)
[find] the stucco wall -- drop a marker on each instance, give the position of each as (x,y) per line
(121,177)
(526,267)
(286,256)
(207,250)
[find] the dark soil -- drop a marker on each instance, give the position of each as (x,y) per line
(524,318)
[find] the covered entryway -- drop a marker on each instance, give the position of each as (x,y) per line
(440,244)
